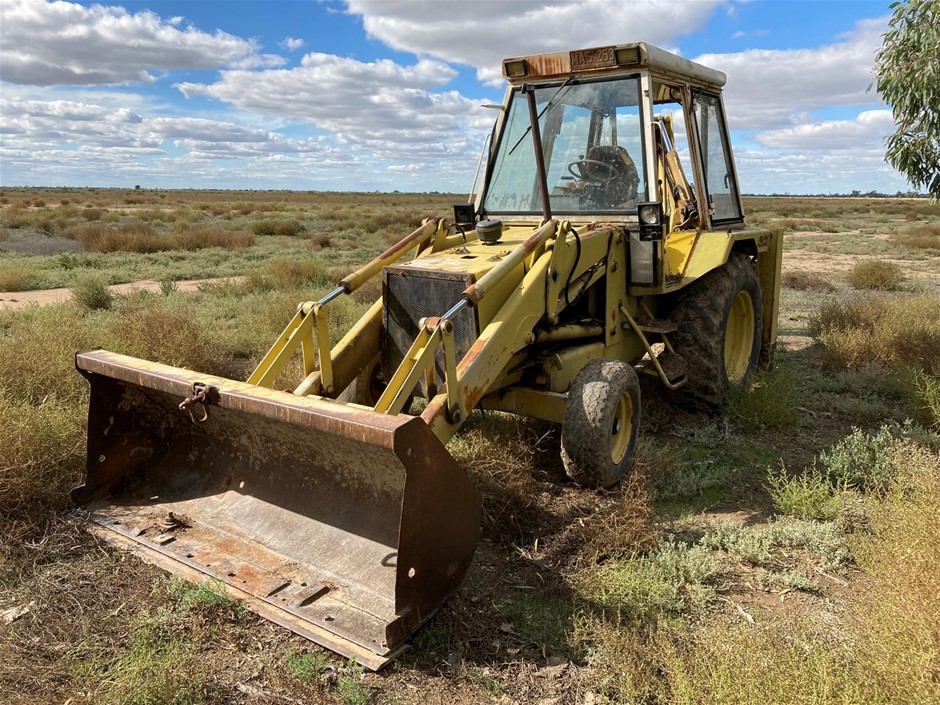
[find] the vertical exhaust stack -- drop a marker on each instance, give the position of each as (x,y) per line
(346,526)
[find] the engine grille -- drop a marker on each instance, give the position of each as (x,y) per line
(411,295)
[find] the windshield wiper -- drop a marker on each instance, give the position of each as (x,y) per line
(549,104)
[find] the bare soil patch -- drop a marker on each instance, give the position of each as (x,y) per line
(46,297)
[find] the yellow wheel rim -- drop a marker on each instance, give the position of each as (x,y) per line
(622,429)
(739,337)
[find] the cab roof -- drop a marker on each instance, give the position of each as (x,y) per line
(615,59)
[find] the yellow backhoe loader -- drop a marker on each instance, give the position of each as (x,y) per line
(606,239)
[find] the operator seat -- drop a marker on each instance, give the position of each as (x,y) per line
(620,191)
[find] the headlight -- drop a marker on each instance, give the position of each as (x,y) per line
(649,214)
(651,221)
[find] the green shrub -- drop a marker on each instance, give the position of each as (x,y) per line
(91,291)
(761,545)
(863,461)
(808,495)
(875,274)
(669,581)
(923,391)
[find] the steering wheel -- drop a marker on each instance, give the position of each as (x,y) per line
(578,170)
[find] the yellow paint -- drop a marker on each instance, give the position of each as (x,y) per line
(711,250)
(678,249)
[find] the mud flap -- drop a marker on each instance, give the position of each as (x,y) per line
(346,526)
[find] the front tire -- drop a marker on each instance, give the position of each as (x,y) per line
(720,321)
(602,420)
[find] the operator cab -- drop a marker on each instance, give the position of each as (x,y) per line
(625,132)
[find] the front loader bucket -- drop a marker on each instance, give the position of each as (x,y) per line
(346,526)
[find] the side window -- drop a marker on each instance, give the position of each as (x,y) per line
(676,178)
(629,136)
(720,179)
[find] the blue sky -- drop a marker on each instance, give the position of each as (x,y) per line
(386,94)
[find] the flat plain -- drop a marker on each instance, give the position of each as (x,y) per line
(787,551)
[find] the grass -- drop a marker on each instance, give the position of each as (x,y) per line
(920,237)
(40,451)
(151,669)
(141,237)
(766,401)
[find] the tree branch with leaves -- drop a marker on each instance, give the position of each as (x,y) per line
(907,72)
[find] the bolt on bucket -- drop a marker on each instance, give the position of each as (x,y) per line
(346,526)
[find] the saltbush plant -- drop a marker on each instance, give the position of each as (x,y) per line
(91,292)
(876,274)
(807,495)
(863,461)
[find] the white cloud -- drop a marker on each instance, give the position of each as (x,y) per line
(37,133)
(291,43)
(480,33)
(867,130)
(50,43)
(381,106)
(767,88)
(813,171)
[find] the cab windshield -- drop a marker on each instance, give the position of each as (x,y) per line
(592,143)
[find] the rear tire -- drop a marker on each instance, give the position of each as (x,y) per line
(720,324)
(602,419)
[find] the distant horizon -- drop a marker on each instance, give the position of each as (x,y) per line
(854,193)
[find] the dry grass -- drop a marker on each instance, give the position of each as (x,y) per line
(287,228)
(16,278)
(138,236)
(880,329)
(901,555)
(806,281)
(200,238)
(41,446)
(282,274)
(885,648)
(157,328)
(921,237)
(638,599)
(37,352)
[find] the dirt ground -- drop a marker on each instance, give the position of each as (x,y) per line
(45,297)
